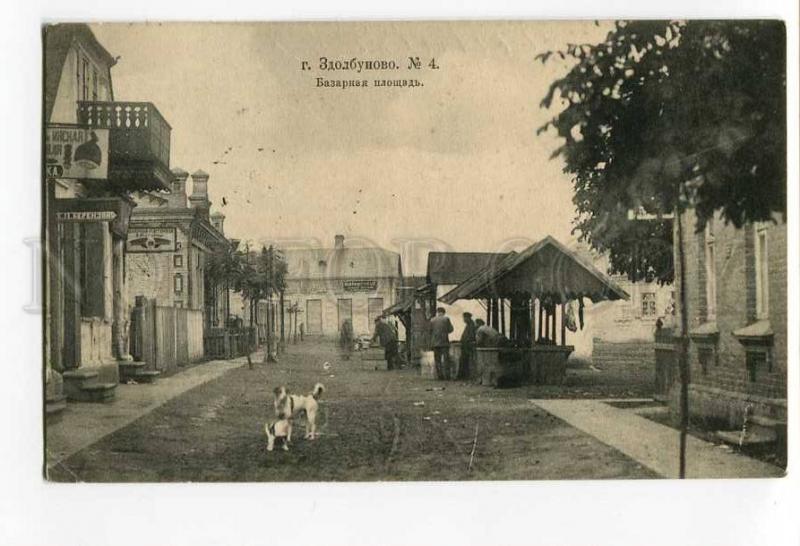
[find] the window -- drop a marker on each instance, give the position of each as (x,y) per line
(762,273)
(757,361)
(178,283)
(374,309)
(344,309)
(94,84)
(711,272)
(177,260)
(648,304)
(705,356)
(84,76)
(179,304)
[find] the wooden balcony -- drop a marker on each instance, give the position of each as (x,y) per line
(139,139)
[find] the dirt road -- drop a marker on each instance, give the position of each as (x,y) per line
(374,425)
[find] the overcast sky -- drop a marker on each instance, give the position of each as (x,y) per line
(456,163)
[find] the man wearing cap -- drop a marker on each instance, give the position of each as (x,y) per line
(387,335)
(467,347)
(441,327)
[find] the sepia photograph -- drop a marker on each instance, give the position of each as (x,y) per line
(414,251)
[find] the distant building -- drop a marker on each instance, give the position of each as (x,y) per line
(630,320)
(633,319)
(330,285)
(737,306)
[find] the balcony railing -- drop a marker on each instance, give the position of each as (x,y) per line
(139,140)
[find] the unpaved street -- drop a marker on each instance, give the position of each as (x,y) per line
(374,425)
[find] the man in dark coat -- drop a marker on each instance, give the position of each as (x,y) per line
(467,347)
(387,335)
(346,339)
(486,336)
(441,327)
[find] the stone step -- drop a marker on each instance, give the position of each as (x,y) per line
(141,376)
(751,438)
(54,405)
(93,392)
(79,377)
(766,422)
(131,366)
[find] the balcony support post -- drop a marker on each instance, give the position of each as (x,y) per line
(119,326)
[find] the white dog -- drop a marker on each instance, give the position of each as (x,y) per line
(288,405)
(277,430)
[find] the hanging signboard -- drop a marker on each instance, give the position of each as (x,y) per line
(87,216)
(151,240)
(72,151)
(360,285)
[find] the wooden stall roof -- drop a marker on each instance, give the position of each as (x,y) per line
(410,289)
(399,308)
(455,267)
(544,269)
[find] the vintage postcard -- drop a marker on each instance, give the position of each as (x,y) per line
(414,251)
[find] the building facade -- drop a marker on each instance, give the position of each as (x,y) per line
(330,285)
(632,320)
(169,240)
(87,215)
(737,311)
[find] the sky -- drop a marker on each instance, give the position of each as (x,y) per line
(453,165)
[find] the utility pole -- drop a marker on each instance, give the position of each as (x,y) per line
(683,339)
(683,357)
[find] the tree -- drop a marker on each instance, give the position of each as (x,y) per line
(225,268)
(272,270)
(665,114)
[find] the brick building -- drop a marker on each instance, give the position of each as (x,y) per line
(330,285)
(737,308)
(169,240)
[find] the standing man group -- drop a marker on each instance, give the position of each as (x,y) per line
(441,327)
(387,335)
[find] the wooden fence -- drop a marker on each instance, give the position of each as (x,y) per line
(229,343)
(165,337)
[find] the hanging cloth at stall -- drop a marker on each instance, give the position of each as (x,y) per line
(569,319)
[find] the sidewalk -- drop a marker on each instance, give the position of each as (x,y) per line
(654,445)
(82,424)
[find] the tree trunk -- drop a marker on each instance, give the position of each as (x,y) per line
(227,303)
(283,337)
(683,360)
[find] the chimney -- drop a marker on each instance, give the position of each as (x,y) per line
(338,242)
(199,198)
(177,195)
(218,221)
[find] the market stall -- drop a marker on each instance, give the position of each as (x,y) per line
(533,298)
